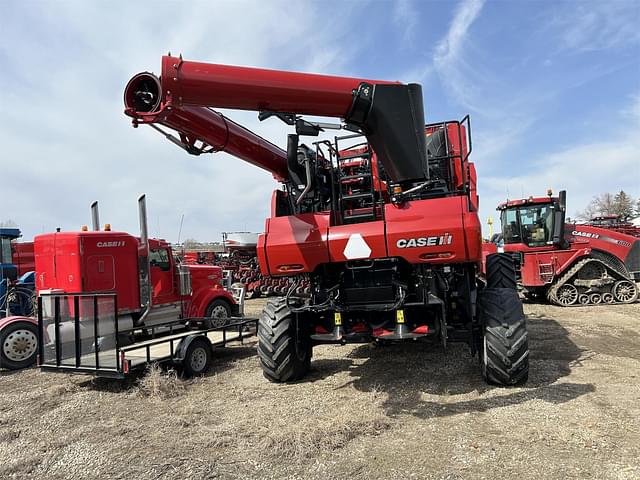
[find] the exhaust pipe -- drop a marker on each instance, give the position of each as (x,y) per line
(143,259)
(95,217)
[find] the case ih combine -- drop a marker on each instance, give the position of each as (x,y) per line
(572,264)
(382,223)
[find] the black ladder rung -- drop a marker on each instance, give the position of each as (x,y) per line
(357,196)
(353,177)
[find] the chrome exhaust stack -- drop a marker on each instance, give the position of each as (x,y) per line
(95,217)
(143,259)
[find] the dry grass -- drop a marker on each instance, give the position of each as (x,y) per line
(160,384)
(410,411)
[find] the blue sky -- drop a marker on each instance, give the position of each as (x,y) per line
(552,87)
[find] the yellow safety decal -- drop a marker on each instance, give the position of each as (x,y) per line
(337,318)
(400,316)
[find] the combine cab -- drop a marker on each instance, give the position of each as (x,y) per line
(381,223)
(568,264)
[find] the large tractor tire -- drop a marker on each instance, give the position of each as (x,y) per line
(284,347)
(504,356)
(501,271)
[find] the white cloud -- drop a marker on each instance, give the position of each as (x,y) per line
(65,141)
(406,16)
(608,164)
(589,26)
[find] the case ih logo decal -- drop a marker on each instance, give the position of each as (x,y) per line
(445,239)
(110,244)
(585,234)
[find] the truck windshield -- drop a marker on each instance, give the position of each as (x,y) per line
(5,250)
(531,225)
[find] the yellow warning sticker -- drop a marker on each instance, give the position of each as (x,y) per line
(400,316)
(337,318)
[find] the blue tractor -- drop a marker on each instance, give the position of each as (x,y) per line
(18,327)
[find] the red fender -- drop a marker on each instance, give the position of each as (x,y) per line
(198,304)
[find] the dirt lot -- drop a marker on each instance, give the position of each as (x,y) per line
(365,412)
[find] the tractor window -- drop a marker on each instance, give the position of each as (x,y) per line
(537,225)
(531,225)
(5,250)
(160,258)
(510,227)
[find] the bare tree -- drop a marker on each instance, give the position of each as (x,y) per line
(621,204)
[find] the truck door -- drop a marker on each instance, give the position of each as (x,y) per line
(162,276)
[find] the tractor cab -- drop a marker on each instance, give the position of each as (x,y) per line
(533,222)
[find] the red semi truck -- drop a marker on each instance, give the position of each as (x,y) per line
(152,290)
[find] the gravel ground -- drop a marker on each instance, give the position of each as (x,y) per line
(402,411)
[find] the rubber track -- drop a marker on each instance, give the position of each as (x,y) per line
(507,341)
(276,343)
(569,274)
(501,271)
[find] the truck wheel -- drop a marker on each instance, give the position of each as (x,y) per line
(284,350)
(219,313)
(501,271)
(18,345)
(505,350)
(197,358)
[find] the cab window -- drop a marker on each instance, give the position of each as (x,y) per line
(510,226)
(160,259)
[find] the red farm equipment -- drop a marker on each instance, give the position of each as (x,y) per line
(102,293)
(382,223)
(568,264)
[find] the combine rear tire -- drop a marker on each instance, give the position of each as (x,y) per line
(505,351)
(501,271)
(284,348)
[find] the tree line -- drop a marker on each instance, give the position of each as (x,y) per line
(621,204)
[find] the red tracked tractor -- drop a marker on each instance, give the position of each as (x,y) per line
(382,222)
(568,264)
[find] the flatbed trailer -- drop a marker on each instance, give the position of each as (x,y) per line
(98,348)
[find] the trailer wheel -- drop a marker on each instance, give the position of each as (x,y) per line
(284,350)
(505,351)
(197,358)
(501,271)
(219,313)
(18,345)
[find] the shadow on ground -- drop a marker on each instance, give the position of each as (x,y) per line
(404,372)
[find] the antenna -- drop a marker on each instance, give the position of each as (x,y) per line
(180,229)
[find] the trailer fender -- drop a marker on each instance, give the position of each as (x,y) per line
(9,320)
(185,343)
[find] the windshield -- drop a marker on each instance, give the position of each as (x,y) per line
(5,250)
(531,225)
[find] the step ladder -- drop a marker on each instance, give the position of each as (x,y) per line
(356,193)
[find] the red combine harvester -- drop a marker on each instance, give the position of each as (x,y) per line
(568,264)
(100,291)
(383,222)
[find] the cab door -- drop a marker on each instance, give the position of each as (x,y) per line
(161,269)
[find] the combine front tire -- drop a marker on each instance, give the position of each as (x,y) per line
(284,347)
(501,271)
(505,351)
